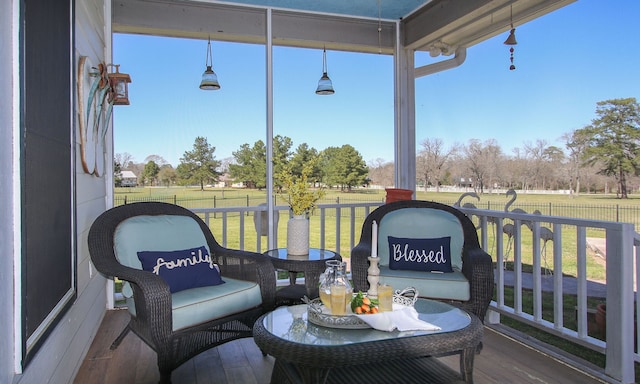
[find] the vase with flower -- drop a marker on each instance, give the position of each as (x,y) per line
(302,199)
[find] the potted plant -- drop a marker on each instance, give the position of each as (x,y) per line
(302,199)
(601,322)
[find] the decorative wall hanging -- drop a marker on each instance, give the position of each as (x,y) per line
(98,92)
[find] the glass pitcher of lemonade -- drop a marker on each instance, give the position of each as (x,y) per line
(335,274)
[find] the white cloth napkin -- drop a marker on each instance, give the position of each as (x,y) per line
(401,318)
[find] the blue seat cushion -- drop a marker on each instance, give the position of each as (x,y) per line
(443,286)
(198,305)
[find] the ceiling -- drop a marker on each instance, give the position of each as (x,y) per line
(386,9)
(349,25)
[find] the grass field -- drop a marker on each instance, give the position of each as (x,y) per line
(379,195)
(597,207)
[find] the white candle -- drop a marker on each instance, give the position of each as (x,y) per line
(374,239)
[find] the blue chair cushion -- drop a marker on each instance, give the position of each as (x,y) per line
(421,223)
(154,233)
(198,305)
(182,269)
(424,255)
(424,223)
(443,286)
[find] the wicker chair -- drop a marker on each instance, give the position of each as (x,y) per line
(178,336)
(415,218)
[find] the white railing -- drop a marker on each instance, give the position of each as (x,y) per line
(351,214)
(621,241)
(563,236)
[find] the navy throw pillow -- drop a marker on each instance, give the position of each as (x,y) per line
(420,254)
(183,269)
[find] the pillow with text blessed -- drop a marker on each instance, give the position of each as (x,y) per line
(182,269)
(420,254)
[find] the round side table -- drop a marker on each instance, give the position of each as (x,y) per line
(312,265)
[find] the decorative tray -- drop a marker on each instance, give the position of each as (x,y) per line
(318,314)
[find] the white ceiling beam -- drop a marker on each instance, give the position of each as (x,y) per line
(224,22)
(460,23)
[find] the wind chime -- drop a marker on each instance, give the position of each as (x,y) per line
(511,40)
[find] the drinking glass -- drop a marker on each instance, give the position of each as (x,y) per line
(385,298)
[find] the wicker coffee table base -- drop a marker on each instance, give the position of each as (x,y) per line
(410,371)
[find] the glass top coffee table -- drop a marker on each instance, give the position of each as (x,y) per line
(309,353)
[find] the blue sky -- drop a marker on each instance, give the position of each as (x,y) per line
(566,62)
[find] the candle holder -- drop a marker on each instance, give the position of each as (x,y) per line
(373,276)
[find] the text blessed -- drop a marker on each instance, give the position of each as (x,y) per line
(403,252)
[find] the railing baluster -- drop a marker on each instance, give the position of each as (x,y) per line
(224,229)
(322,227)
(352,227)
(499,239)
(558,294)
(537,275)
(582,281)
(517,266)
(241,240)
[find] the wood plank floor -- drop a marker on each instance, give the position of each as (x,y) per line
(503,360)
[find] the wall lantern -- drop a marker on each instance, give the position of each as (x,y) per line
(119,86)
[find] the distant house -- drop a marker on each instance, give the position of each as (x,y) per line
(225,180)
(129,179)
(468,182)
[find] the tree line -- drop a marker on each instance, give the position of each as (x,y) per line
(334,167)
(603,156)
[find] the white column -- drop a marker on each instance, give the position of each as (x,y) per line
(405,117)
(269,140)
(620,304)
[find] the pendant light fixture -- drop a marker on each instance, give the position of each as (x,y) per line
(511,40)
(324,85)
(209,79)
